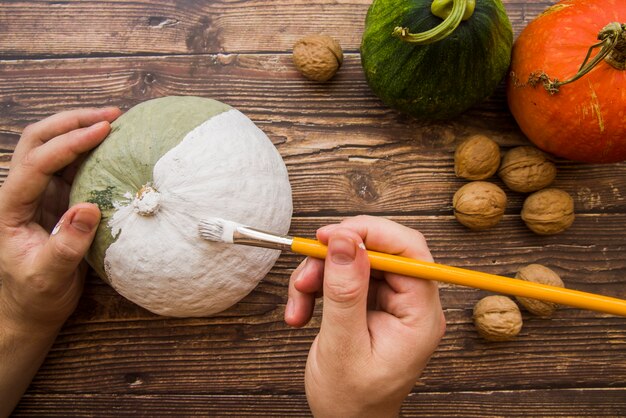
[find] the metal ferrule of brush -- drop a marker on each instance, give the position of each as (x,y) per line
(245,235)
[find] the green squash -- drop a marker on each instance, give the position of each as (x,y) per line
(434,60)
(167,164)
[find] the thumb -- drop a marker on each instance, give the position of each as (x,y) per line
(69,241)
(346,281)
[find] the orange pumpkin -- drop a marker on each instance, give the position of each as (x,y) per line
(583,119)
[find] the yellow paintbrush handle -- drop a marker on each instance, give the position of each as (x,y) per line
(475,279)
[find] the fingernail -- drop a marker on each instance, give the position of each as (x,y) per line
(327,228)
(342,250)
(57,227)
(84,220)
(97,125)
(301,271)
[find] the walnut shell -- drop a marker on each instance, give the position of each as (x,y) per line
(548,211)
(497,318)
(539,274)
(317,57)
(526,169)
(477,158)
(479,205)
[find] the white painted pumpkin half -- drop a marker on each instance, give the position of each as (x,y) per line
(167,164)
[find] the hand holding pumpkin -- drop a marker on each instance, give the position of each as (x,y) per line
(378,330)
(39,271)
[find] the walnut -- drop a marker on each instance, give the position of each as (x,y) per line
(548,211)
(497,318)
(317,57)
(477,158)
(539,274)
(526,169)
(479,205)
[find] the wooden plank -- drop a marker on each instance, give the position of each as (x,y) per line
(75,28)
(112,346)
(345,151)
(270,359)
(547,402)
(268,88)
(346,154)
(185,357)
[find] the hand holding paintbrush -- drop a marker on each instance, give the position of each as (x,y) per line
(376,336)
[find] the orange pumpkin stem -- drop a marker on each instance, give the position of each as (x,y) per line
(613,50)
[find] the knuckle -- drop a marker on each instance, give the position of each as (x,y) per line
(358,219)
(343,291)
(298,271)
(442,326)
(442,332)
(363,218)
(65,253)
(29,159)
(29,130)
(39,283)
(419,237)
(32,280)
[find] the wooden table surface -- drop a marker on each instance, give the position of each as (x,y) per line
(346,154)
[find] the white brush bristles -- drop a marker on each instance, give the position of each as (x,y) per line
(218,229)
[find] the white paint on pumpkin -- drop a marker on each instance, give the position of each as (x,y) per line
(227,168)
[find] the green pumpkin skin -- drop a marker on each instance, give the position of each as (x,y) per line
(439,80)
(129,154)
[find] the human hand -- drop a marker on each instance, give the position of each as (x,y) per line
(39,266)
(378,329)
(41,275)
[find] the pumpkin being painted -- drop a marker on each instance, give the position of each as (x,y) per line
(167,164)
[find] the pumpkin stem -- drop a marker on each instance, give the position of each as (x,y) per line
(441,31)
(613,50)
(146,202)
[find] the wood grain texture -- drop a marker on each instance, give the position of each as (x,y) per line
(552,402)
(112,346)
(336,139)
(77,28)
(346,154)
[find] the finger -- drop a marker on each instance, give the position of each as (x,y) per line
(312,278)
(420,297)
(61,123)
(384,235)
(326,229)
(69,241)
(397,304)
(29,178)
(299,307)
(304,287)
(346,281)
(414,312)
(416,304)
(68,173)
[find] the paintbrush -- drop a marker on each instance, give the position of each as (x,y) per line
(225,231)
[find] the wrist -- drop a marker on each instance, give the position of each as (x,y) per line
(19,325)
(23,346)
(350,404)
(330,410)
